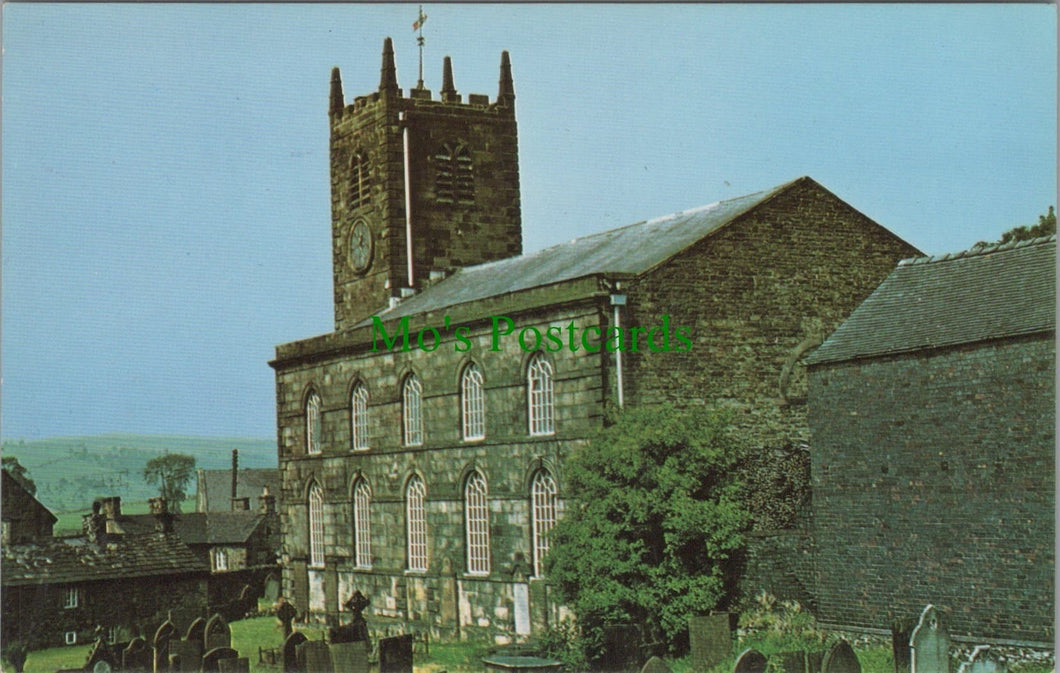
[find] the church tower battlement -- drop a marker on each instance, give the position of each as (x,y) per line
(418,184)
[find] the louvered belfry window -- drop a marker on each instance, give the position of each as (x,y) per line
(454,180)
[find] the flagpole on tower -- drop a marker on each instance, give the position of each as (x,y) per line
(418,25)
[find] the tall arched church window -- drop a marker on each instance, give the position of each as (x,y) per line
(473,403)
(476,522)
(416,522)
(412,411)
(316,526)
(359,418)
(313,429)
(539,396)
(362,531)
(543,513)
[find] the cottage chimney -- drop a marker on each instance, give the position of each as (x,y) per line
(94,525)
(266,502)
(111,507)
(240,504)
(163,518)
(235,472)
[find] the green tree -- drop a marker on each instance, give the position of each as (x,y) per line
(19,473)
(1046,227)
(172,472)
(654,519)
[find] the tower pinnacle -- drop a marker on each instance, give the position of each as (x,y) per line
(506,90)
(336,102)
(388,72)
(449,94)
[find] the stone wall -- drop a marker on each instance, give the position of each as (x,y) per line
(933,479)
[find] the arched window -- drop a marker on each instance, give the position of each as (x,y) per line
(473,403)
(539,396)
(362,531)
(476,520)
(543,513)
(312,423)
(220,559)
(360,189)
(416,518)
(412,411)
(316,526)
(454,174)
(359,418)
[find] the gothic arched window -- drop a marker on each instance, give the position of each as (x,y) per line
(454,179)
(539,396)
(473,403)
(416,523)
(412,411)
(477,524)
(362,531)
(359,418)
(543,515)
(360,189)
(316,526)
(313,428)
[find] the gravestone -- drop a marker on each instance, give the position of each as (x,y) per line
(901,631)
(655,665)
(237,665)
(217,633)
(710,640)
(101,654)
(841,659)
(448,609)
(395,654)
(286,612)
(621,651)
(272,588)
(186,654)
(521,608)
(350,657)
(750,661)
(137,657)
(792,662)
(165,633)
(314,656)
(982,660)
(210,660)
(196,630)
(929,643)
(290,652)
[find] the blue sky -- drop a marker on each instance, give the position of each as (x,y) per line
(166,217)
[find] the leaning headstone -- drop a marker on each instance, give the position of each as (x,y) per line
(101,653)
(655,665)
(350,657)
(290,652)
(621,651)
(929,643)
(137,657)
(316,656)
(213,657)
(841,659)
(901,631)
(982,660)
(792,662)
(165,633)
(395,654)
(710,640)
(196,630)
(186,654)
(750,661)
(237,665)
(217,633)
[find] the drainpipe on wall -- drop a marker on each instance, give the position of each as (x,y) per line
(616,301)
(403,117)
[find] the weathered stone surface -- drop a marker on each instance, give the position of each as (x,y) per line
(351,657)
(982,660)
(211,658)
(291,663)
(395,654)
(655,665)
(930,643)
(841,658)
(710,640)
(137,657)
(217,633)
(750,661)
(316,655)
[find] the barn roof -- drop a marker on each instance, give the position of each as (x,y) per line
(214,487)
(988,293)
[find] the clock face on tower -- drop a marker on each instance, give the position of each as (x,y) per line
(359,252)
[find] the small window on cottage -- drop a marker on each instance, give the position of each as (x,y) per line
(316,526)
(220,559)
(476,521)
(416,518)
(313,428)
(71,597)
(543,501)
(473,403)
(362,534)
(412,411)
(539,396)
(360,187)
(70,637)
(359,418)
(454,179)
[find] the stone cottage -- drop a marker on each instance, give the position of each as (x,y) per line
(932,412)
(422,443)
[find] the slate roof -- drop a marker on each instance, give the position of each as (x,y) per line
(216,487)
(15,496)
(933,302)
(78,560)
(196,528)
(628,250)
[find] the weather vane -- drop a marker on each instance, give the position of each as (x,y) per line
(418,25)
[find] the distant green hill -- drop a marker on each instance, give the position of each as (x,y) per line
(70,472)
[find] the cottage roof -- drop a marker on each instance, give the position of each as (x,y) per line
(79,560)
(985,293)
(629,250)
(15,497)
(215,487)
(196,528)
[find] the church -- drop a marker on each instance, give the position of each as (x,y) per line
(422,442)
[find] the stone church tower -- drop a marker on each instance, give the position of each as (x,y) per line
(418,186)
